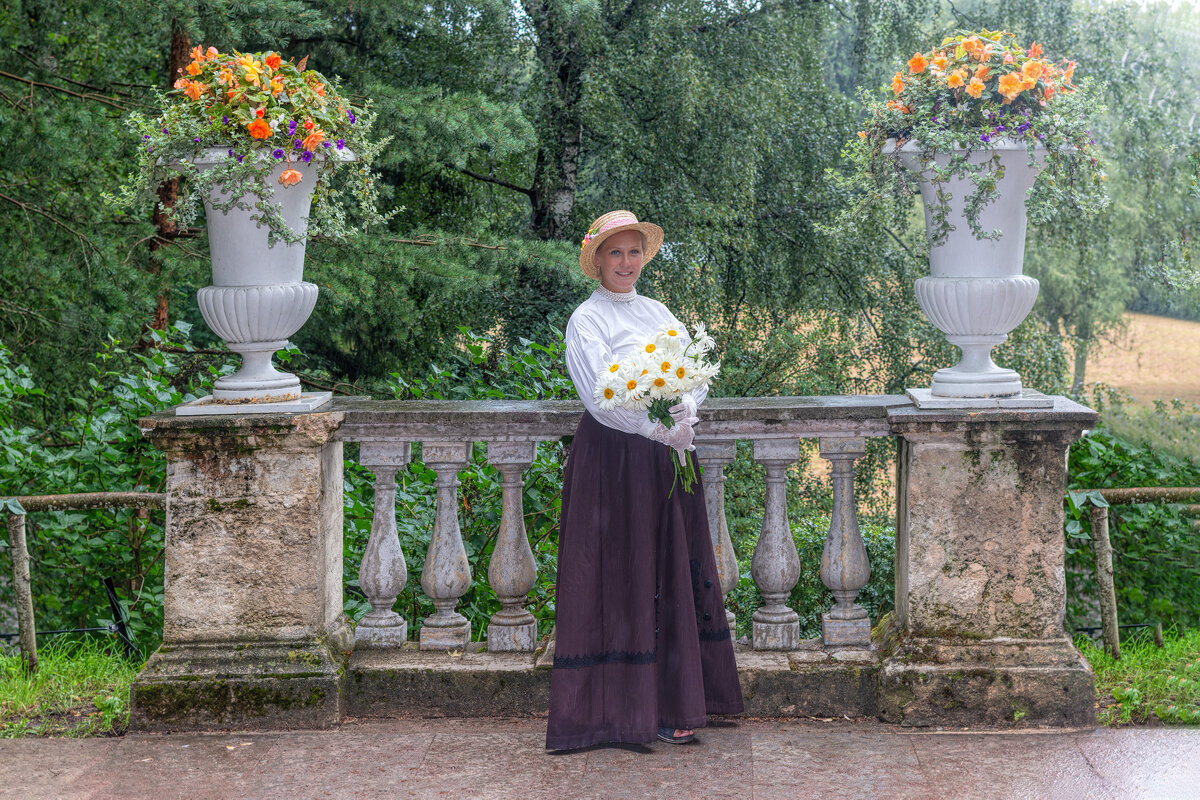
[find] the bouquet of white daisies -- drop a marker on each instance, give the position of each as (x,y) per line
(655,376)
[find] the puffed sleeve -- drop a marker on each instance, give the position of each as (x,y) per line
(587,354)
(700,393)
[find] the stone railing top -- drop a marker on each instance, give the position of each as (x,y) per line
(369,420)
(362,419)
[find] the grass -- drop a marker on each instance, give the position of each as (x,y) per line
(80,688)
(1154,360)
(1149,684)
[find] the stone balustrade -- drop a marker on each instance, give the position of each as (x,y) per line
(446,431)
(254,634)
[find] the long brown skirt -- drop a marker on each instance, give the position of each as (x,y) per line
(641,639)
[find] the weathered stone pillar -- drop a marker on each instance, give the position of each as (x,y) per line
(383,572)
(512,572)
(253,630)
(978,634)
(447,573)
(775,565)
(713,456)
(845,568)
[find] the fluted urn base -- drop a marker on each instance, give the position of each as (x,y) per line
(255,322)
(976,314)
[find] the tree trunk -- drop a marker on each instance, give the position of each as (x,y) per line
(168,191)
(1083,342)
(564,61)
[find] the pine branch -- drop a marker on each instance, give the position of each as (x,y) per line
(51,86)
(495,180)
(48,216)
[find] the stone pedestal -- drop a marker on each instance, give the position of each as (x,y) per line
(253,630)
(977,637)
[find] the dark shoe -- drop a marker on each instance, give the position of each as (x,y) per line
(668,735)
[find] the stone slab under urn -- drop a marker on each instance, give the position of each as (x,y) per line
(308,401)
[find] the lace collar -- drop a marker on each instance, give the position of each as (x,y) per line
(625,297)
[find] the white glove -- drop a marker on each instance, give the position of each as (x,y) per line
(678,437)
(685,411)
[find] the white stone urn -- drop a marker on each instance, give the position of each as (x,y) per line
(258,297)
(976,293)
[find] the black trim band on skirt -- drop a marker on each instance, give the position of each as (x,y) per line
(638,600)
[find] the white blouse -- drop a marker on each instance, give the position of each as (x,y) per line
(604,328)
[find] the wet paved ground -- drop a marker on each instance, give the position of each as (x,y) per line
(491,758)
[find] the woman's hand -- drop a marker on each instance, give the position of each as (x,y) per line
(678,437)
(685,411)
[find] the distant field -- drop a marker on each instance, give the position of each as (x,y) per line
(1157,359)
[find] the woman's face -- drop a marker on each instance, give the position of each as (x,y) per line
(619,258)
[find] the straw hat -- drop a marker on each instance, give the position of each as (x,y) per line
(607,225)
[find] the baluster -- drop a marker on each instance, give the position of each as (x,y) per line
(513,572)
(447,573)
(844,565)
(383,573)
(713,457)
(776,565)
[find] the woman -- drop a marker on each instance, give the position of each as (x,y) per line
(642,647)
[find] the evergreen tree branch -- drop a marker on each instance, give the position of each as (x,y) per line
(493,179)
(52,87)
(748,16)
(51,217)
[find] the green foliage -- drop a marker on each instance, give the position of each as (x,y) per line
(80,688)
(1148,680)
(97,447)
(1156,556)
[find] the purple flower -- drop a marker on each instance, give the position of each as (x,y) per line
(298,144)
(146,137)
(150,149)
(225,120)
(291,127)
(350,114)
(239,158)
(278,154)
(326,144)
(341,143)
(231,152)
(196,140)
(165,130)
(1024,126)
(983,137)
(307,157)
(1000,128)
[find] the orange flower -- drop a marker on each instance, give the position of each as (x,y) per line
(276,85)
(194,68)
(983,72)
(319,89)
(917,64)
(940,62)
(1035,50)
(862,134)
(197,54)
(212,52)
(224,76)
(1032,70)
(273,61)
(956,78)
(194,89)
(898,83)
(1049,92)
(290,177)
(313,140)
(1008,58)
(975,88)
(259,129)
(1069,71)
(182,83)
(1011,85)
